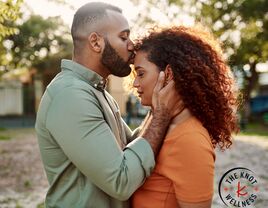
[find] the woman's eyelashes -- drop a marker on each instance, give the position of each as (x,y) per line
(140,74)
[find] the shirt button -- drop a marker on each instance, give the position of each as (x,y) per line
(95,85)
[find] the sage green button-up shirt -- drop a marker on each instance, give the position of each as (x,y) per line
(86,148)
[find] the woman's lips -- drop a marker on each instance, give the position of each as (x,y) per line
(140,93)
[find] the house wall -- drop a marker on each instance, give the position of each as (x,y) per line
(11,98)
(115,88)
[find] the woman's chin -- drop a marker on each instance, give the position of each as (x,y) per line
(145,103)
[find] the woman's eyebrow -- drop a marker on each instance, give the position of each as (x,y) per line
(138,67)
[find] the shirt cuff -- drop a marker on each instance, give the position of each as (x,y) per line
(144,152)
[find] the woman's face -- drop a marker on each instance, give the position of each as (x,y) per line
(146,77)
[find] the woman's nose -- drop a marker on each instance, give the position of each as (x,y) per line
(136,83)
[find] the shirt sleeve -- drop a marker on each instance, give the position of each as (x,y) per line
(76,122)
(130,135)
(191,168)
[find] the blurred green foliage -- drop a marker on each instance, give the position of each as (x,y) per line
(4,137)
(38,40)
(241,25)
(255,129)
(9,13)
(38,43)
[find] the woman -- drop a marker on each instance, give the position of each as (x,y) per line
(184,172)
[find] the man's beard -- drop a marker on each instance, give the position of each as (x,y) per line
(113,62)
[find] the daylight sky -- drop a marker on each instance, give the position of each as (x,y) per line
(46,8)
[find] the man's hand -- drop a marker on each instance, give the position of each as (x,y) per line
(166,98)
(165,105)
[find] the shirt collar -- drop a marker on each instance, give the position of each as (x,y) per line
(87,74)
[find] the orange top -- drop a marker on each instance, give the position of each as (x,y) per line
(184,169)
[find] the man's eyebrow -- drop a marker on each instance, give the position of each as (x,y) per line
(125,31)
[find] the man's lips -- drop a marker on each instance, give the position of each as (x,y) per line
(131,58)
(140,93)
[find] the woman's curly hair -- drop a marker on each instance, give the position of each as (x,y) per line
(202,78)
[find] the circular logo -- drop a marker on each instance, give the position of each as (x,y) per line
(238,187)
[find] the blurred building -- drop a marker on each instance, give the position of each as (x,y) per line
(115,88)
(259,103)
(11,97)
(21,92)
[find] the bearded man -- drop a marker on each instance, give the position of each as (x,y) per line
(90,156)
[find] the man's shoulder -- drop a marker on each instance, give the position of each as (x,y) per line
(66,81)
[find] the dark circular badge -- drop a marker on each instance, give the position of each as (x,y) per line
(238,187)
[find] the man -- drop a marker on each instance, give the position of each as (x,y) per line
(87,150)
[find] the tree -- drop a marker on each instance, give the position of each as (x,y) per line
(9,12)
(37,40)
(39,46)
(27,44)
(154,12)
(242,26)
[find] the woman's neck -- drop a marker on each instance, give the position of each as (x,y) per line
(180,118)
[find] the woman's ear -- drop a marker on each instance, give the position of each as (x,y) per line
(95,42)
(168,74)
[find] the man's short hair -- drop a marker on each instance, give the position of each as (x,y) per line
(88,15)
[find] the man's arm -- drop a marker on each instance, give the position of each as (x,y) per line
(166,104)
(130,135)
(155,129)
(76,122)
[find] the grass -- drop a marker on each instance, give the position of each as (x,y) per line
(255,129)
(41,205)
(3,136)
(2,129)
(18,205)
(27,184)
(10,133)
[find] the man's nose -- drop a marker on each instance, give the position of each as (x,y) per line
(130,45)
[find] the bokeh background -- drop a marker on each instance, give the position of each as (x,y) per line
(35,36)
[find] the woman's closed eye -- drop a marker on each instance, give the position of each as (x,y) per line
(140,74)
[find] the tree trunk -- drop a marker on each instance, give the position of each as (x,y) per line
(250,84)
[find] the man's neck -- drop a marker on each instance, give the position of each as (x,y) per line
(94,66)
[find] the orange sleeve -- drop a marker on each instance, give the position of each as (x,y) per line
(191,167)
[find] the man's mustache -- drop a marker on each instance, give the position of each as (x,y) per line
(131,57)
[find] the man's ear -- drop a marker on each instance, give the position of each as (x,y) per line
(168,74)
(95,42)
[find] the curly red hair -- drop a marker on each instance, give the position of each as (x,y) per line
(202,77)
